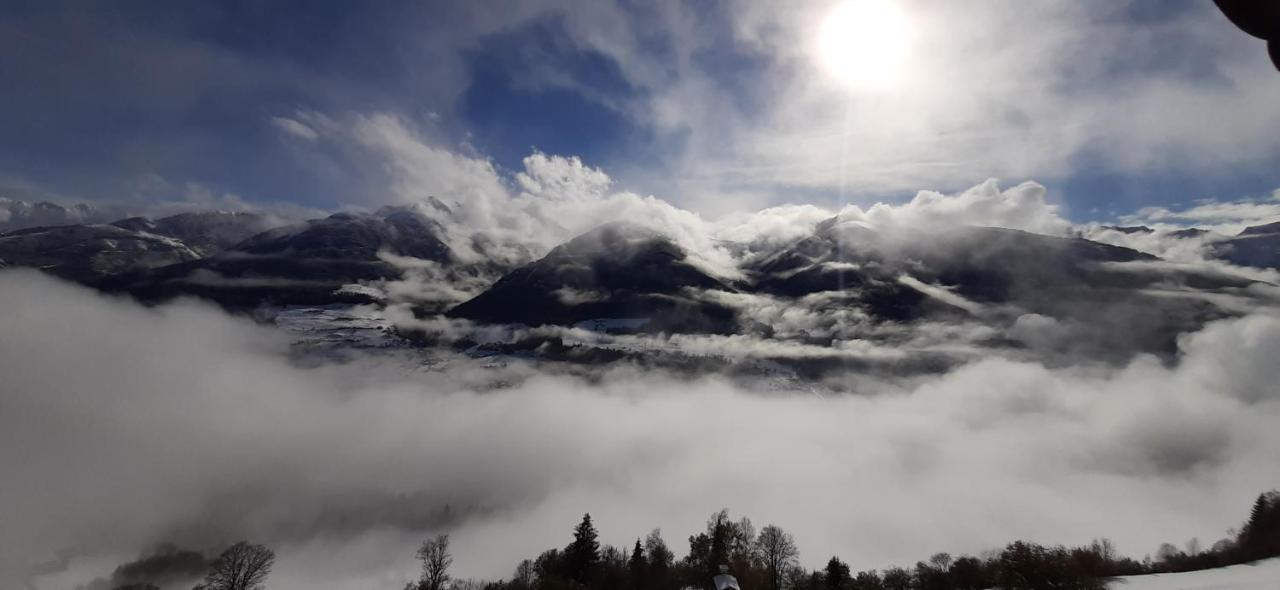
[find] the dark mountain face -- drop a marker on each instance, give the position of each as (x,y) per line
(1130,229)
(303,264)
(1191,232)
(990,265)
(625,277)
(352,236)
(206,232)
(87,253)
(1260,230)
(909,275)
(617,271)
(1257,246)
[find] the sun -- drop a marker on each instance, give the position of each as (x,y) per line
(864,43)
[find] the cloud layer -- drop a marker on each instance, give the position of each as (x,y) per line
(125,426)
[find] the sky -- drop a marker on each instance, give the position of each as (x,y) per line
(724,124)
(715,107)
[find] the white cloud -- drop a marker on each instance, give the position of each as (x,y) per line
(556,178)
(1227,217)
(559,197)
(1021,207)
(125,426)
(1038,91)
(295,128)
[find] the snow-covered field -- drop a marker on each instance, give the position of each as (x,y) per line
(1260,575)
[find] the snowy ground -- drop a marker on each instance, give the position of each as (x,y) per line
(1261,575)
(327,327)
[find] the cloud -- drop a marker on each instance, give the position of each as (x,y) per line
(731,108)
(126,426)
(1227,217)
(484,218)
(1044,100)
(489,215)
(295,128)
(558,178)
(1021,207)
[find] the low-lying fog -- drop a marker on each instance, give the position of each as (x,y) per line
(123,427)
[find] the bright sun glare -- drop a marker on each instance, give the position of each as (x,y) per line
(864,42)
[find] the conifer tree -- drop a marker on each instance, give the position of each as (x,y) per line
(638,566)
(1252,534)
(583,554)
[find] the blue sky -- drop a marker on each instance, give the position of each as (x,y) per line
(715,106)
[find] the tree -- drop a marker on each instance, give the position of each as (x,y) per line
(638,566)
(550,564)
(896,578)
(1260,536)
(967,573)
(523,576)
(659,556)
(1193,546)
(1028,566)
(583,554)
(777,551)
(868,580)
(241,567)
(933,575)
(660,560)
(725,542)
(436,559)
(1167,553)
(837,575)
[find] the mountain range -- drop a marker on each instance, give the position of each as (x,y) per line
(633,278)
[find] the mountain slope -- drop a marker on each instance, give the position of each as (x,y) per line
(300,264)
(1257,246)
(18,214)
(1115,298)
(87,253)
(983,264)
(1260,575)
(617,271)
(206,232)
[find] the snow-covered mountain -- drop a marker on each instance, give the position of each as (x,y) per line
(207,232)
(20,214)
(89,253)
(617,271)
(844,283)
(302,264)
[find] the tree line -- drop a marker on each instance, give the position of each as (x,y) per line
(767,559)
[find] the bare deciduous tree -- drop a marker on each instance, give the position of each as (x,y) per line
(524,575)
(241,567)
(436,559)
(777,550)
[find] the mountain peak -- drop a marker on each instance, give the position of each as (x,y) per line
(1257,230)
